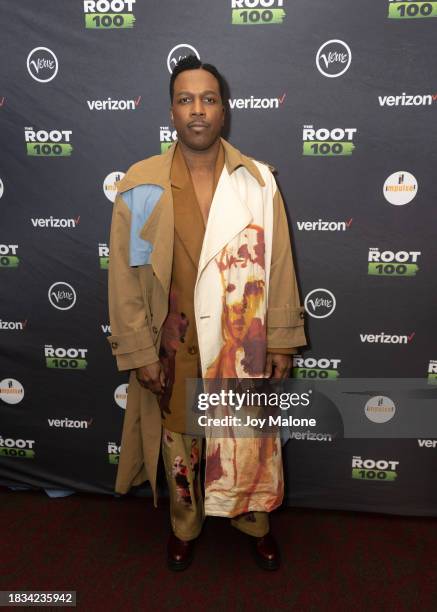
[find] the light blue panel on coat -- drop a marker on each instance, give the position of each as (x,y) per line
(141,201)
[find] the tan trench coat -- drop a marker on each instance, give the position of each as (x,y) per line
(138,306)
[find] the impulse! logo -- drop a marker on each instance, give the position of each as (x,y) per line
(400,188)
(120,395)
(8,256)
(103,256)
(110,184)
(11,391)
(391,263)
(328,143)
(166,137)
(399,9)
(108,14)
(257,12)
(42,143)
(374,469)
(310,367)
(65,358)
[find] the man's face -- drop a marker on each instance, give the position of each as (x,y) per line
(197,110)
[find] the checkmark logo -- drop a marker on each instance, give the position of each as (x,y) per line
(349,223)
(77,220)
(434,97)
(411,336)
(2,101)
(137,101)
(282,98)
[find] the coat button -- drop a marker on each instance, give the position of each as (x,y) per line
(114,345)
(154,330)
(302,315)
(192,350)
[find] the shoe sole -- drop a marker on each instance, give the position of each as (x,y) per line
(176,566)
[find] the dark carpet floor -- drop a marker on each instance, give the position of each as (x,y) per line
(112,552)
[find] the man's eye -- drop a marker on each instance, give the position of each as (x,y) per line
(210,100)
(184,100)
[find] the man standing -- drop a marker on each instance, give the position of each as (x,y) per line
(201,284)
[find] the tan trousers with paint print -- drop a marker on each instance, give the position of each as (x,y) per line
(182,456)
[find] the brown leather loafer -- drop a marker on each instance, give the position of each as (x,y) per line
(266,552)
(179,553)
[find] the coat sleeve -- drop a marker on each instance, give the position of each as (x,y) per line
(131,340)
(285,315)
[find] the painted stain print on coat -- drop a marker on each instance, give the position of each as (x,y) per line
(195,463)
(173,335)
(241,266)
(242,474)
(180,474)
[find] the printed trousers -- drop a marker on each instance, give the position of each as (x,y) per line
(182,456)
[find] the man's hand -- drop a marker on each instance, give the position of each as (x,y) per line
(152,377)
(281,363)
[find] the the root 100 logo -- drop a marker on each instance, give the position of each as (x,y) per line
(371,469)
(389,263)
(328,143)
(257,12)
(104,256)
(113,453)
(310,367)
(8,256)
(55,143)
(108,14)
(17,448)
(65,358)
(432,371)
(411,10)
(166,137)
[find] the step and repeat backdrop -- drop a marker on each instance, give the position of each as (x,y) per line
(341,97)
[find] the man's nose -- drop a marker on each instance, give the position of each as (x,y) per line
(198,108)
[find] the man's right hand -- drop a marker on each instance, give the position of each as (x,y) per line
(152,377)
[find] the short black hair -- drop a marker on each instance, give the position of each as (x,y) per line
(191,62)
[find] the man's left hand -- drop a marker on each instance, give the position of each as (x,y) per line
(279,364)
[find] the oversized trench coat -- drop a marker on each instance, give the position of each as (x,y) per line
(139,299)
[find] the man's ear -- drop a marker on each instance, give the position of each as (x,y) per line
(171,116)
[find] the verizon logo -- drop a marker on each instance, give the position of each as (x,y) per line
(54,222)
(407,100)
(383,338)
(257,103)
(110,104)
(427,443)
(324,226)
(70,423)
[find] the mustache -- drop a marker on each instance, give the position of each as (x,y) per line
(198,122)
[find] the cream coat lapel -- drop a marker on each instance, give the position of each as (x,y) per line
(228,216)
